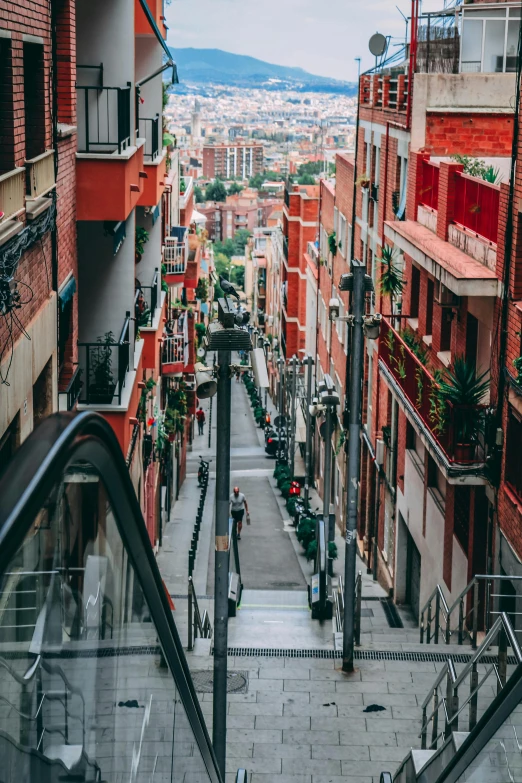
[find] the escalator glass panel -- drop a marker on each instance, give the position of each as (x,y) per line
(85,692)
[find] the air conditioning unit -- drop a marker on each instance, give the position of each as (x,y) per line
(443,296)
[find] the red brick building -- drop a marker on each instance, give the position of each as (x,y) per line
(236,159)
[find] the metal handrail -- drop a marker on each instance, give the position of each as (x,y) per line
(441,605)
(452,705)
(339,606)
(197,621)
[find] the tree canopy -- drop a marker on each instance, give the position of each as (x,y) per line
(306,179)
(216,191)
(235,188)
(198,195)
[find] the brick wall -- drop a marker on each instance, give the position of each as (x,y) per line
(478,135)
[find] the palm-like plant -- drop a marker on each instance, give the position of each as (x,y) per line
(465,389)
(392,280)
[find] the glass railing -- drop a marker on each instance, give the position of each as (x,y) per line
(93,681)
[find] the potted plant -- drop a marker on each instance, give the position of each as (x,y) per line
(464,389)
(141,239)
(182,186)
(102,385)
(332,243)
(363,181)
(392,280)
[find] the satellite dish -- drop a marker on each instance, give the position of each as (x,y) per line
(377,44)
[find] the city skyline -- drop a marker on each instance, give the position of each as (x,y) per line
(253,34)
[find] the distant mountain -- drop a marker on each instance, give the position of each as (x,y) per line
(213,66)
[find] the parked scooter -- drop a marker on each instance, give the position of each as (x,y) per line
(203,471)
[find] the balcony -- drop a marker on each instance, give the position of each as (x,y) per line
(312,252)
(12,202)
(104,366)
(68,398)
(40,181)
(175,255)
(109,167)
(146,302)
(441,424)
(185,191)
(477,205)
(429,195)
(173,354)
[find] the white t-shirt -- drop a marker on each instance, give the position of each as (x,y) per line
(237,502)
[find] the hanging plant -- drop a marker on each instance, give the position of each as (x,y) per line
(332,243)
(363,181)
(141,239)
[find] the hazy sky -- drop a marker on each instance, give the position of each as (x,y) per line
(321,36)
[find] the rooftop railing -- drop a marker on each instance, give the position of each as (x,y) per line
(447,424)
(429,195)
(104,119)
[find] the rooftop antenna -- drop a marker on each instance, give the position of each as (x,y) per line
(406,22)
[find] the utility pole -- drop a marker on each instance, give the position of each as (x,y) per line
(308,362)
(357,283)
(222,555)
(295,365)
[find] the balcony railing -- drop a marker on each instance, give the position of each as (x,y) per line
(12,193)
(313,252)
(175,256)
(72,392)
(104,365)
(477,206)
(445,422)
(172,350)
(40,174)
(379,91)
(149,129)
(285,247)
(104,119)
(187,190)
(429,195)
(146,302)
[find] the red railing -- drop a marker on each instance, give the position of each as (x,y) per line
(420,387)
(477,206)
(429,194)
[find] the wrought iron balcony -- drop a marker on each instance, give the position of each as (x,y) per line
(173,353)
(104,119)
(104,365)
(146,302)
(417,389)
(149,129)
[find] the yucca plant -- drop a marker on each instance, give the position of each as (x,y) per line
(392,280)
(465,389)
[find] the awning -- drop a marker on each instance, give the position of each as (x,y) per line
(198,217)
(66,293)
(155,29)
(155,213)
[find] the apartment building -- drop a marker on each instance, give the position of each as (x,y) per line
(38,265)
(240,211)
(238,159)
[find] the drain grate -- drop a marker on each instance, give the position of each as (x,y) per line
(199,597)
(361,655)
(237,681)
(392,615)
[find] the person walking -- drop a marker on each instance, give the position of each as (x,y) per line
(238,506)
(200,416)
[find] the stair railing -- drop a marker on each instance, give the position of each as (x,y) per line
(198,623)
(436,616)
(446,693)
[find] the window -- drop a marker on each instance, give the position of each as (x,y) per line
(461,516)
(34,100)
(513,474)
(415,290)
(429,307)
(7,159)
(489,40)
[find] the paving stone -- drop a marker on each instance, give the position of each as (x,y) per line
(343,779)
(282,751)
(336,724)
(312,766)
(363,687)
(418,666)
(285,673)
(313,710)
(284,697)
(266,685)
(311,663)
(260,778)
(371,738)
(408,712)
(389,724)
(329,674)
(310,737)
(265,765)
(244,722)
(284,722)
(377,675)
(408,739)
(239,749)
(388,754)
(312,686)
(274,736)
(369,768)
(269,708)
(341,752)
(391,699)
(339,698)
